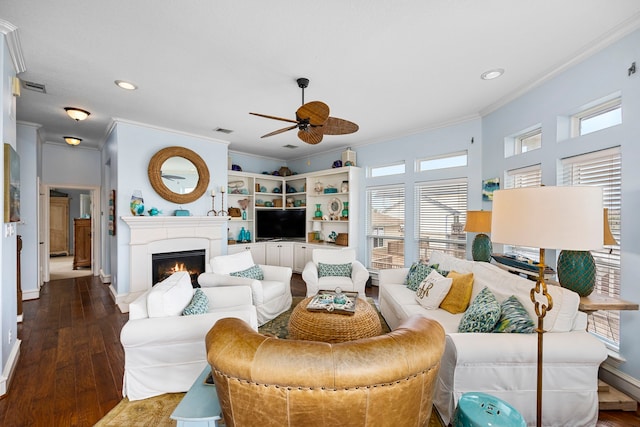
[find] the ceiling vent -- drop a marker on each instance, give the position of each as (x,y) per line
(223,130)
(290,146)
(36,87)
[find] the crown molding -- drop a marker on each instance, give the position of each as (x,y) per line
(13,43)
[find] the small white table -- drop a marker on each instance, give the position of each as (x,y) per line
(200,406)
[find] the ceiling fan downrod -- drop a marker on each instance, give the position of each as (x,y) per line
(302,84)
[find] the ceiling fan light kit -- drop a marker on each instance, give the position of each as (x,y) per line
(312,120)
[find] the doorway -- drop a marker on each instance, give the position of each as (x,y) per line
(83,207)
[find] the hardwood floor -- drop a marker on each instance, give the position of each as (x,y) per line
(71,362)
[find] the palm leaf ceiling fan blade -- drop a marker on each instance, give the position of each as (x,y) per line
(336,126)
(312,120)
(274,118)
(311,135)
(275,132)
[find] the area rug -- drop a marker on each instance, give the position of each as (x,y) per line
(156,411)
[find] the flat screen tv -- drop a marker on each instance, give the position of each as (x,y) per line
(280,224)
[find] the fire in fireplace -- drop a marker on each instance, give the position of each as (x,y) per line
(165,264)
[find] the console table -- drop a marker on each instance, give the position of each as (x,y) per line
(595,302)
(200,406)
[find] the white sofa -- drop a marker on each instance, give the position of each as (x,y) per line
(164,352)
(271,296)
(504,364)
(355,283)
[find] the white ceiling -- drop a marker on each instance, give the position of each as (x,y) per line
(392,67)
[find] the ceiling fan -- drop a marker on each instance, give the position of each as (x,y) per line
(312,120)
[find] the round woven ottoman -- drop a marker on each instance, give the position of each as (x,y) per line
(331,327)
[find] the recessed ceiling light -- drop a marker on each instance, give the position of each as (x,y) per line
(77,114)
(492,74)
(125,85)
(72,140)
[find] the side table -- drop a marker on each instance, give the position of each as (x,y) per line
(200,406)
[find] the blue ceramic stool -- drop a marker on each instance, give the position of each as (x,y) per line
(483,410)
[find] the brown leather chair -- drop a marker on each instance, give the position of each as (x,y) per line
(386,380)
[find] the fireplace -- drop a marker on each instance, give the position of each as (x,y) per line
(165,264)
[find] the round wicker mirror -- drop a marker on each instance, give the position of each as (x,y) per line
(163,180)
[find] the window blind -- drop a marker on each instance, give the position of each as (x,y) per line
(602,169)
(440,214)
(385,227)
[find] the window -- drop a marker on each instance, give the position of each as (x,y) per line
(602,169)
(441,212)
(530,176)
(597,118)
(378,171)
(523,142)
(385,227)
(529,141)
(442,162)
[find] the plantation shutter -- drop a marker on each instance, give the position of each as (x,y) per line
(385,227)
(440,213)
(602,169)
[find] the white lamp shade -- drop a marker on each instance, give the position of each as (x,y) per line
(549,217)
(317,226)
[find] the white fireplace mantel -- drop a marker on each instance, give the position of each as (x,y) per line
(157,234)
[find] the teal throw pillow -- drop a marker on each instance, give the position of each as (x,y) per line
(253,272)
(199,304)
(514,318)
(482,315)
(418,271)
(325,270)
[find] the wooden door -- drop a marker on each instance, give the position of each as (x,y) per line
(59,226)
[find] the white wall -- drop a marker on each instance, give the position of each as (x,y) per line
(255,164)
(70,165)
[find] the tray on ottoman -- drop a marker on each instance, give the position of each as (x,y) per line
(324,301)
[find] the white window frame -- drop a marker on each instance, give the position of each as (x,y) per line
(593,112)
(513,143)
(435,232)
(386,170)
(439,162)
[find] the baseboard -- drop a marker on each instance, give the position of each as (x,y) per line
(105,278)
(619,380)
(9,368)
(29,295)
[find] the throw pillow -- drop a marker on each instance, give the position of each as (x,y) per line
(325,270)
(457,300)
(253,272)
(199,304)
(514,318)
(482,315)
(432,290)
(418,271)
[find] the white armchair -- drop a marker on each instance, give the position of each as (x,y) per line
(164,351)
(271,296)
(355,283)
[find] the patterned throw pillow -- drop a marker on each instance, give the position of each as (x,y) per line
(418,271)
(199,304)
(432,290)
(457,300)
(325,270)
(482,315)
(514,318)
(253,272)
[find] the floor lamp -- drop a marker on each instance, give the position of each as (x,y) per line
(552,218)
(480,222)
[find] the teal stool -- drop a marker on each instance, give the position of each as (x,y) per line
(483,410)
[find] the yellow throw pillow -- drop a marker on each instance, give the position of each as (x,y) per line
(457,300)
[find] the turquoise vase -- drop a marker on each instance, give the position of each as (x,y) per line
(577,271)
(318,213)
(345,209)
(481,248)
